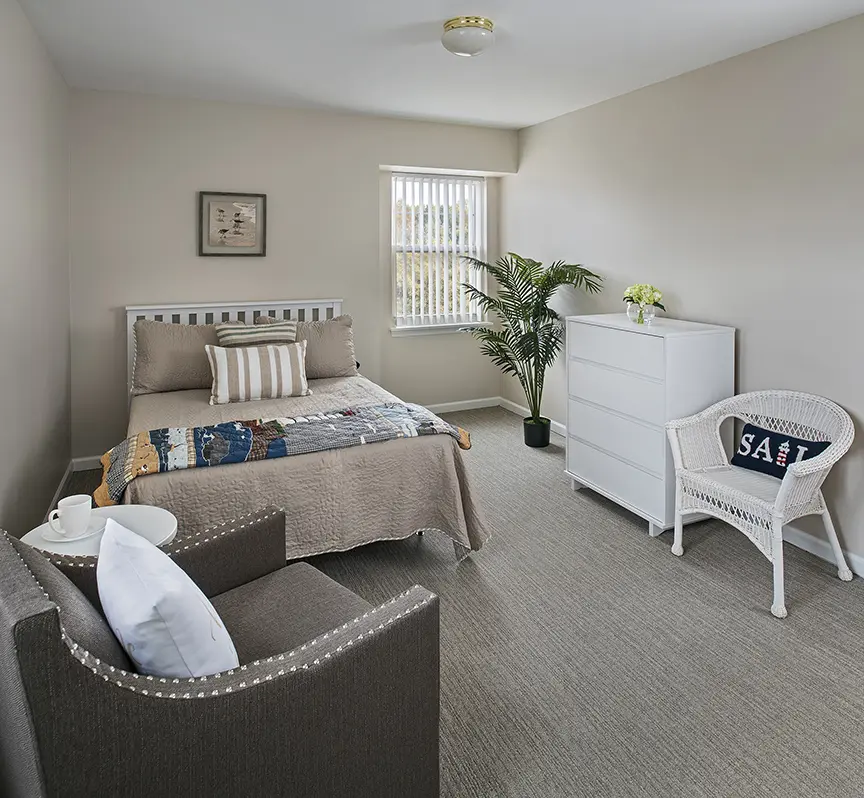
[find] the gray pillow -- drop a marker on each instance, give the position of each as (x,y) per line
(329,346)
(171,357)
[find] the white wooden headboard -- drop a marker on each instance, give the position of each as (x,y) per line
(215,312)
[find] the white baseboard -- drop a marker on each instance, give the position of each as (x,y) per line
(467,404)
(821,548)
(59,490)
(86,463)
(520,410)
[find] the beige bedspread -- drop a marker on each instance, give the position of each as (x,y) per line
(334,500)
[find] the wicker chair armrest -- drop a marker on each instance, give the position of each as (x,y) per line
(804,479)
(798,491)
(695,440)
(822,462)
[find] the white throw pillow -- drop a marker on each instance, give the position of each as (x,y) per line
(163,621)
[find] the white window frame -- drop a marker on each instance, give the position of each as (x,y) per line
(469,313)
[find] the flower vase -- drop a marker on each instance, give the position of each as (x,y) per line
(641,314)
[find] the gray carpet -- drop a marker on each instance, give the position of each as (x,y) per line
(580,658)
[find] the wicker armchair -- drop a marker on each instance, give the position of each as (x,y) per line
(756,504)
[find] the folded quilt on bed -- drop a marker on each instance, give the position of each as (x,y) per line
(174,448)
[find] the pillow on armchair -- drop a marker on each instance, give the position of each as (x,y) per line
(772,452)
(164,622)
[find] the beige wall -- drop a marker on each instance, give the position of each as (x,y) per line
(34,295)
(738,190)
(137,163)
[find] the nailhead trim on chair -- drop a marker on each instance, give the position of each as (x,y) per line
(94,664)
(32,575)
(173,547)
(90,560)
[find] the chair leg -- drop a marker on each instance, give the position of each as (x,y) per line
(842,569)
(677,544)
(778,608)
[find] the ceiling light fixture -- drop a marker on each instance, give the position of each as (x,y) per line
(468,36)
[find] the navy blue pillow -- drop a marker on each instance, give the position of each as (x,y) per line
(770,452)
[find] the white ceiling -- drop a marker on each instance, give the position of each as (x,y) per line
(385,57)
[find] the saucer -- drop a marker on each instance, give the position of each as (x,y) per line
(96,525)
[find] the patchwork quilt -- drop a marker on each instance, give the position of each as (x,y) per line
(174,448)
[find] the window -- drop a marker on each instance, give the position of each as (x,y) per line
(437,220)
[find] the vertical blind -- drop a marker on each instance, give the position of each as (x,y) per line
(437,221)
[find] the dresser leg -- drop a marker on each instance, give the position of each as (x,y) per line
(576,485)
(654,530)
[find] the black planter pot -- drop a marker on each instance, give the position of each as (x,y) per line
(536,434)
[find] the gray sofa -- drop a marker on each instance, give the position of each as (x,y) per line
(333,697)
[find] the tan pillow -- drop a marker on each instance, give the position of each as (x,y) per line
(171,357)
(330,346)
(274,333)
(247,374)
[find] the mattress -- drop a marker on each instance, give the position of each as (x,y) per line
(334,500)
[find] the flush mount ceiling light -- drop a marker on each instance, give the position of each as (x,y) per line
(468,36)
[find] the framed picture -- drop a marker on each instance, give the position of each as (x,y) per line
(232,224)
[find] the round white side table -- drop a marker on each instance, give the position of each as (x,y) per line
(153,523)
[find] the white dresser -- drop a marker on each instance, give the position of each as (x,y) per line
(625,381)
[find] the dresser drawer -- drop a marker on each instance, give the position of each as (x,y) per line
(630,440)
(620,481)
(631,351)
(626,393)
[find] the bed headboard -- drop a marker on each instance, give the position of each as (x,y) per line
(215,312)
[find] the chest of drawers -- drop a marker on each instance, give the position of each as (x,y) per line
(625,381)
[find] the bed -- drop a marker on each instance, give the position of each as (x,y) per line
(334,500)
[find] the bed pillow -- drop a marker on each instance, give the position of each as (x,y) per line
(247,374)
(330,346)
(160,616)
(238,333)
(771,452)
(171,357)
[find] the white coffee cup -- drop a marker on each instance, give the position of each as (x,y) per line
(73,513)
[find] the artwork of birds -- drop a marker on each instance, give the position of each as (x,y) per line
(232,224)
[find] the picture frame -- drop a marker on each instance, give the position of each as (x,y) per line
(232,224)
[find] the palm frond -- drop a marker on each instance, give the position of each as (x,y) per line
(531,333)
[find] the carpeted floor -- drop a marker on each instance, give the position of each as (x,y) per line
(580,658)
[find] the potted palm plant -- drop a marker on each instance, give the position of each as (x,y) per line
(530,334)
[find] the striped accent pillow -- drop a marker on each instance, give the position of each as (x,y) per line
(258,372)
(236,333)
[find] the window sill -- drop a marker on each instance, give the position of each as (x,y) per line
(435,329)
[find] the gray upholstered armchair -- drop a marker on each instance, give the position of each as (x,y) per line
(333,697)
